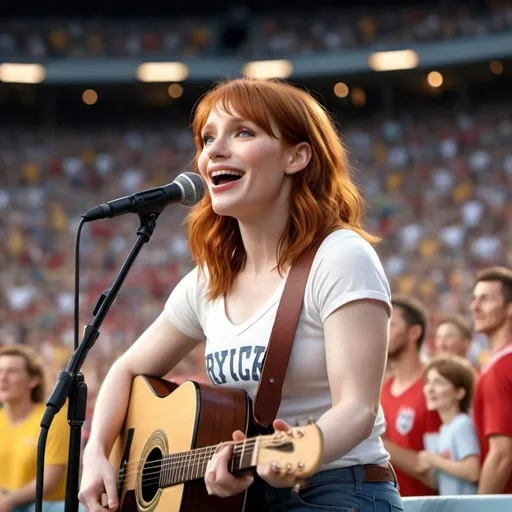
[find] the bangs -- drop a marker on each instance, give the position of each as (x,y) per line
(250,100)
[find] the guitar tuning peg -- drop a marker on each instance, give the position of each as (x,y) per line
(311,420)
(289,469)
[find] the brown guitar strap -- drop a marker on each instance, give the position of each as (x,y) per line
(268,396)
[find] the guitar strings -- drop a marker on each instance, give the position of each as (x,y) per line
(237,444)
(202,455)
(170,467)
(147,482)
(194,458)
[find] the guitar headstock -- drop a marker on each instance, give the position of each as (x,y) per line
(297,452)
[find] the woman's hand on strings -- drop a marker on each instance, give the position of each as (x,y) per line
(218,479)
(221,482)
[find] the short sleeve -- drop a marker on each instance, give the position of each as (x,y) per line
(183,306)
(57,446)
(465,439)
(346,268)
(497,395)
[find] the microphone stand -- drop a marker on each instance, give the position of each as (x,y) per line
(70,382)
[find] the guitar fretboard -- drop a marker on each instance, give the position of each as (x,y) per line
(182,467)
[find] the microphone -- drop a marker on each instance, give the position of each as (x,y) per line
(187,189)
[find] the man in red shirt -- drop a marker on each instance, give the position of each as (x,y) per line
(409,423)
(491,308)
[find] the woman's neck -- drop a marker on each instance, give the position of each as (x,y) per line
(261,239)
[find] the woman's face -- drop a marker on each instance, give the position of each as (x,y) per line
(245,168)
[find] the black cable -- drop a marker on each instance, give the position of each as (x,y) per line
(41,449)
(77,278)
(51,411)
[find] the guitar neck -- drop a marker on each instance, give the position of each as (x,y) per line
(191,465)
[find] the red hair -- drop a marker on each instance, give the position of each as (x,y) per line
(323,198)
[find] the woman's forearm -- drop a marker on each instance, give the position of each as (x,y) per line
(344,427)
(109,411)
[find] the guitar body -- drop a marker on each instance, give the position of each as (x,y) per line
(164,418)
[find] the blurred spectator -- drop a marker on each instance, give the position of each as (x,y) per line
(23,394)
(453,336)
(492,315)
(452,463)
(408,422)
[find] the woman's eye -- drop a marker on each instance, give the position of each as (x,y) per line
(206,139)
(244,131)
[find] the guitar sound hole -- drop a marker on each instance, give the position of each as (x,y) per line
(151,475)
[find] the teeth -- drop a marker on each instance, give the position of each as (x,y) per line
(220,173)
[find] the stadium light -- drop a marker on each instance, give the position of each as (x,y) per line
(162,72)
(393,60)
(22,73)
(496,67)
(358,97)
(90,97)
(175,91)
(435,79)
(263,69)
(341,90)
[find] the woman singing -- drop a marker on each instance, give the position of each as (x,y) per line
(278,181)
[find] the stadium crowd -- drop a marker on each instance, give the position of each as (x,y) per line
(240,30)
(438,193)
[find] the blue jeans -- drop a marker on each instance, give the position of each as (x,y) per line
(337,490)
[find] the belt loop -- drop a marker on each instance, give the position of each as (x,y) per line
(359,477)
(395,479)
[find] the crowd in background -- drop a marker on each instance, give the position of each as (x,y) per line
(241,31)
(438,188)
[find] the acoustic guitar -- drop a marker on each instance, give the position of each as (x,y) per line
(171,432)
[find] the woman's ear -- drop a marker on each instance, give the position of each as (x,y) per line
(298,158)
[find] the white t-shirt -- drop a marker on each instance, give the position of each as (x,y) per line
(346,268)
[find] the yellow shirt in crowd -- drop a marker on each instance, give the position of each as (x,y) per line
(18,450)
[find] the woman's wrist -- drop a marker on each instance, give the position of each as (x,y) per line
(94,449)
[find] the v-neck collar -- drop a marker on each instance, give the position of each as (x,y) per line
(237,329)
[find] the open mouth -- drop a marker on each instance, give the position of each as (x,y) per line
(223,177)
